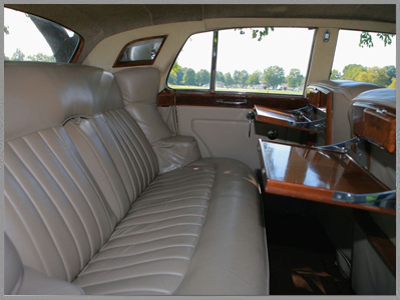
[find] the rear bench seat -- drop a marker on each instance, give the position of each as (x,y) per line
(87,210)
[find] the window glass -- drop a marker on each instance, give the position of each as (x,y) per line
(263,60)
(30,38)
(192,67)
(142,52)
(366,57)
(255,60)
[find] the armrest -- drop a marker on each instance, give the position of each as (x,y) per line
(176,151)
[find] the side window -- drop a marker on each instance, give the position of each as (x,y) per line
(263,60)
(252,60)
(365,56)
(31,38)
(140,52)
(192,68)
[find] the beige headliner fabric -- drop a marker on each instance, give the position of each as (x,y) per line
(96,22)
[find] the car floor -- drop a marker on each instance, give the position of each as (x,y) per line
(302,259)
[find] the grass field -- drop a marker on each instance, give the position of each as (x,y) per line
(188,87)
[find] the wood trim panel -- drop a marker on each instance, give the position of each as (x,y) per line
(315,174)
(78,50)
(375,125)
(322,98)
(281,118)
(200,98)
(139,62)
(377,238)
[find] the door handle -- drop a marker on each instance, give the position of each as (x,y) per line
(241,102)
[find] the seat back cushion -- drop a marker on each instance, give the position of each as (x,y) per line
(139,88)
(118,155)
(55,213)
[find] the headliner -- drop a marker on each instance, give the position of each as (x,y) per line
(94,22)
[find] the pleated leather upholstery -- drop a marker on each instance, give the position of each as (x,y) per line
(84,202)
(117,154)
(150,250)
(55,214)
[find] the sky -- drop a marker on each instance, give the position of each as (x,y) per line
(285,47)
(23,35)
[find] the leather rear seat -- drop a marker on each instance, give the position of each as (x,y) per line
(87,208)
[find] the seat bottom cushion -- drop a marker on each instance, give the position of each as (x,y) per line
(152,248)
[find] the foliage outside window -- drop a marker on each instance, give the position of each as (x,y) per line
(31,38)
(256,60)
(365,57)
(192,69)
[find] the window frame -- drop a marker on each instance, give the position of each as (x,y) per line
(213,70)
(78,50)
(118,64)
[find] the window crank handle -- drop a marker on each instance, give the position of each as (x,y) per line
(250,117)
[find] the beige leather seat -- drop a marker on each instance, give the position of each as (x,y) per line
(88,210)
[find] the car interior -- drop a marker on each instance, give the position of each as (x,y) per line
(199,149)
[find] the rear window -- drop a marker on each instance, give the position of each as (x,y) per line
(140,52)
(31,38)
(365,57)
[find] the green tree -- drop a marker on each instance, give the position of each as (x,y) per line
(336,75)
(6,29)
(273,76)
(179,75)
(244,75)
(41,57)
(240,77)
(366,39)
(176,72)
(393,84)
(294,78)
(189,78)
(220,77)
(374,75)
(236,77)
(257,33)
(202,77)
(390,71)
(254,78)
(18,55)
(172,78)
(229,80)
(351,71)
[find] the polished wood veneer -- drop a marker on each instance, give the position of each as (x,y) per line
(314,174)
(206,98)
(376,124)
(281,118)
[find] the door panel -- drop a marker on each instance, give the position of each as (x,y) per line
(223,132)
